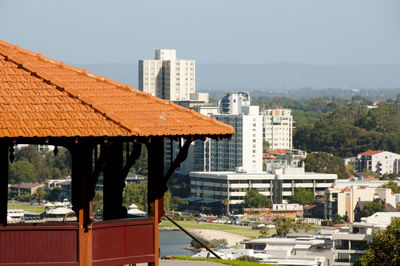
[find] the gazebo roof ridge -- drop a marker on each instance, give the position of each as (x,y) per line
(136,113)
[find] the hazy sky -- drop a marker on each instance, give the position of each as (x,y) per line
(227,31)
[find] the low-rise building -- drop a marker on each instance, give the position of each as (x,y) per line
(380,162)
(24,188)
(275,159)
(277,210)
(231,187)
(350,242)
(292,251)
(343,200)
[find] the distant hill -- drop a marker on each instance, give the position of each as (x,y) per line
(219,77)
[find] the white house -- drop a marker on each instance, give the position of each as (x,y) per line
(380,162)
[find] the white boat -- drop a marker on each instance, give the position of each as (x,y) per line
(15,215)
(133,210)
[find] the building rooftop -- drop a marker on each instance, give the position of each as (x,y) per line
(371,152)
(26,185)
(41,97)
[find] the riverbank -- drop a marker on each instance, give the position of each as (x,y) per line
(210,234)
(244,231)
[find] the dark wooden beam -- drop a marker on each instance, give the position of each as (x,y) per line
(113,181)
(131,158)
(155,196)
(82,162)
(182,155)
(3,182)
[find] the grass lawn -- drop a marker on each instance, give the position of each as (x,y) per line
(227,262)
(245,231)
(27,208)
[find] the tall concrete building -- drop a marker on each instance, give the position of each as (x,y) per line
(244,150)
(168,78)
(278,128)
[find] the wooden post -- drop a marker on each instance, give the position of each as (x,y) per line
(113,182)
(154,197)
(82,204)
(3,183)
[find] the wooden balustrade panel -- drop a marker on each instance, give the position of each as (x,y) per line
(123,241)
(38,245)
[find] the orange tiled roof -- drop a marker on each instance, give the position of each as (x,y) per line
(371,152)
(41,97)
(267,156)
(277,151)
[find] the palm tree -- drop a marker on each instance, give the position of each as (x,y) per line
(39,194)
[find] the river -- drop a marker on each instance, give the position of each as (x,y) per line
(172,243)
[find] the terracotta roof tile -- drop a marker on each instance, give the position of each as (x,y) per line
(371,152)
(42,97)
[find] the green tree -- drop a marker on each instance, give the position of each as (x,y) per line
(302,196)
(283,225)
(384,249)
(322,162)
(393,186)
(371,208)
(266,145)
(254,199)
(39,194)
(136,193)
(33,166)
(22,171)
(98,204)
(336,218)
(140,166)
(54,194)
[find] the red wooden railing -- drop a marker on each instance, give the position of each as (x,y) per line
(115,242)
(124,241)
(38,245)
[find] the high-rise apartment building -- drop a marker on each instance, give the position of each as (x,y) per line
(244,150)
(278,128)
(166,77)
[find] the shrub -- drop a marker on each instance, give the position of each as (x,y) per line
(248,258)
(210,244)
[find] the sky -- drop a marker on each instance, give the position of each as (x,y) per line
(321,32)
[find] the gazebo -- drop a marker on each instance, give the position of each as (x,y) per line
(103,124)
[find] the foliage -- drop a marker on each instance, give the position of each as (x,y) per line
(24,197)
(300,225)
(254,199)
(22,171)
(98,204)
(322,162)
(349,130)
(53,195)
(141,164)
(371,208)
(384,249)
(248,258)
(137,194)
(221,261)
(32,166)
(210,244)
(38,195)
(336,218)
(283,225)
(266,145)
(302,196)
(393,186)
